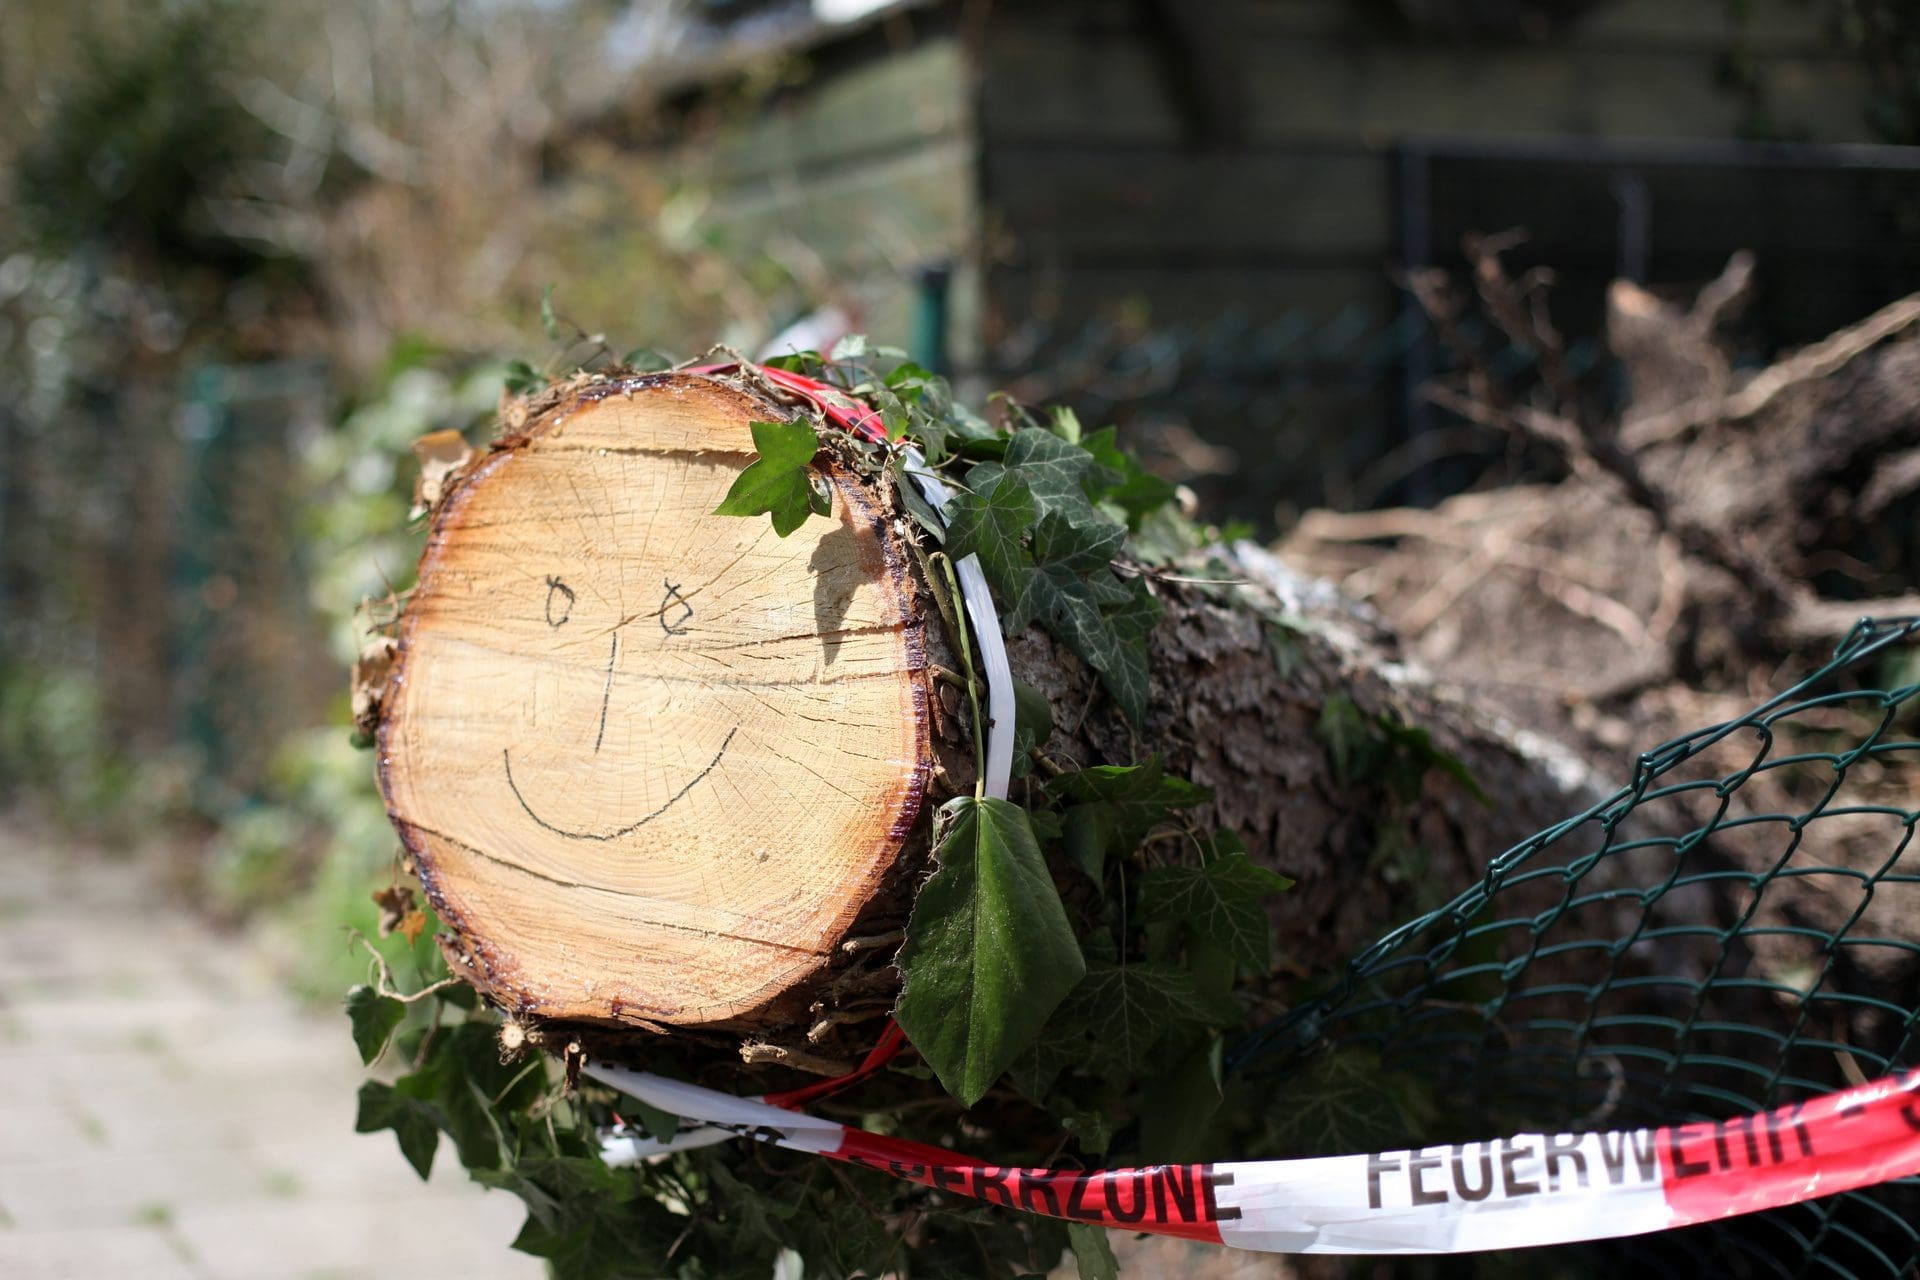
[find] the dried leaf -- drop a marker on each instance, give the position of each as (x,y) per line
(411,924)
(370,682)
(442,454)
(396,903)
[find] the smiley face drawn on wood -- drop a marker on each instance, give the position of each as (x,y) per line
(650,760)
(559,611)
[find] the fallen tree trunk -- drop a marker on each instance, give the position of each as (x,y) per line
(662,770)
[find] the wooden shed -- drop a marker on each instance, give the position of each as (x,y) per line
(1188,212)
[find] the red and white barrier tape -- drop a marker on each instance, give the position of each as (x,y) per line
(1502,1193)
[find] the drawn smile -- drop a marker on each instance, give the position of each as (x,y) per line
(506,760)
(600,733)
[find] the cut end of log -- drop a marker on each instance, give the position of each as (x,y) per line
(652,763)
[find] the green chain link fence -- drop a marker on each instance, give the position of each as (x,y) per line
(1736,929)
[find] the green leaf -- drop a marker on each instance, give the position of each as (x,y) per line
(1032,725)
(412,1122)
(806,362)
(647,360)
(1351,742)
(374,1018)
(661,1125)
(1346,1100)
(1128,1008)
(1053,470)
(1118,478)
(1092,1253)
(523,378)
(1113,806)
(1179,1106)
(1381,749)
(777,482)
(989,953)
(607,1238)
(1415,744)
(461,1075)
(989,523)
(1080,549)
(1101,619)
(1066,425)
(1283,641)
(1061,1045)
(851,347)
(1091,1130)
(1223,902)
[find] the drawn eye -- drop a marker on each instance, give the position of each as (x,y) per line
(675,612)
(559,601)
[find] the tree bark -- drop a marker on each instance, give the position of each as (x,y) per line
(662,770)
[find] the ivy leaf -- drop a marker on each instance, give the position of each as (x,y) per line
(807,362)
(559,1190)
(1416,745)
(1104,621)
(607,1239)
(646,360)
(851,347)
(1346,1100)
(1059,543)
(777,481)
(1092,1253)
(989,523)
(374,1018)
(1066,425)
(1113,806)
(1116,645)
(1223,902)
(412,1122)
(1117,477)
(1179,1106)
(1091,1130)
(1128,1007)
(1063,1045)
(658,1124)
(522,378)
(1351,742)
(1382,749)
(989,953)
(1032,725)
(1053,470)
(461,1075)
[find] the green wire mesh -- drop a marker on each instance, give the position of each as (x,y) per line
(1733,930)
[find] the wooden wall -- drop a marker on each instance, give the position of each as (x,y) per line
(1237,168)
(1187,210)
(860,169)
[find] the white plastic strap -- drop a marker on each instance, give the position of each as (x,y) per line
(986,631)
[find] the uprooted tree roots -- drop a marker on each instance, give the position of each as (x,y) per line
(1719,534)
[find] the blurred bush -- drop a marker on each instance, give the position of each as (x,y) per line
(221,226)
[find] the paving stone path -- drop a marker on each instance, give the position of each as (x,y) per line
(166,1112)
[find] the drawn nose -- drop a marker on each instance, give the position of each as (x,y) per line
(606,692)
